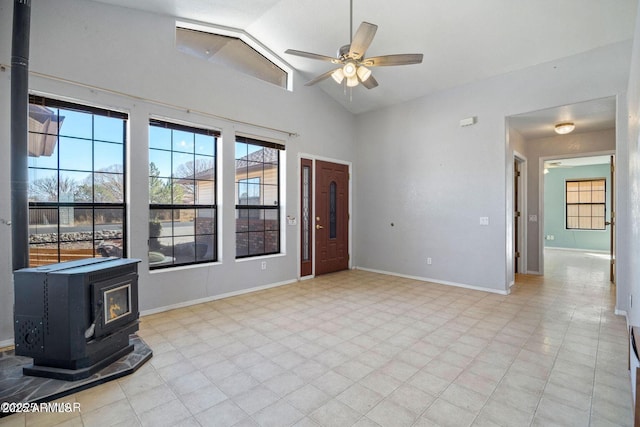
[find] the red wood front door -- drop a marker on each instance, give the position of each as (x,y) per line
(331,223)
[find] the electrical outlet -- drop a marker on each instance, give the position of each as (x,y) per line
(428,261)
(263,265)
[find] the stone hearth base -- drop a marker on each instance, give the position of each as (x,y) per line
(16,387)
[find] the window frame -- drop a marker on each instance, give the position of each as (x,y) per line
(93,206)
(568,204)
(173,207)
(249,40)
(249,209)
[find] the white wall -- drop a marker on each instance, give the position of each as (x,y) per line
(120,58)
(630,241)
(416,167)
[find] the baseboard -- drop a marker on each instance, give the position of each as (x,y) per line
(597,251)
(213,298)
(7,343)
(537,273)
(619,312)
(439,282)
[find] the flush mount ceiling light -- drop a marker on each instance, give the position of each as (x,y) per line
(564,128)
(352,61)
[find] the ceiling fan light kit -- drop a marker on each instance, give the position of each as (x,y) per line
(565,128)
(349,69)
(338,75)
(353,64)
(363,73)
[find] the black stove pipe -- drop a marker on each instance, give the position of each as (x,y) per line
(19,134)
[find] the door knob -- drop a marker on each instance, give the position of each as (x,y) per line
(318,227)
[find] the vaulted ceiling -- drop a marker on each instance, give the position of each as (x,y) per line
(462,41)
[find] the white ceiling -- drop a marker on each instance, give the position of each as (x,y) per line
(588,116)
(462,41)
(577,161)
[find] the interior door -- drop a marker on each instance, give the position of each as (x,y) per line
(332,217)
(516,216)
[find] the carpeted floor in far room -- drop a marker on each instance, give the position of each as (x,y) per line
(365,349)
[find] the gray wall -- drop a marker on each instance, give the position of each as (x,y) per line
(81,46)
(417,168)
(555,209)
(629,219)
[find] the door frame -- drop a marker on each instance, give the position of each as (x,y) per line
(313,159)
(522,204)
(541,191)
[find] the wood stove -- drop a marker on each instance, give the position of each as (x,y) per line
(74,318)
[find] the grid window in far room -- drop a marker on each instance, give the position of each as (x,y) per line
(257,197)
(182,195)
(586,204)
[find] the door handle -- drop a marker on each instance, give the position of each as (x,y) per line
(319,227)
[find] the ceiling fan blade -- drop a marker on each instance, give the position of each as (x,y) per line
(362,39)
(370,83)
(312,55)
(320,78)
(399,59)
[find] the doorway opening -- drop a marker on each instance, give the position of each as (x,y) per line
(535,136)
(579,207)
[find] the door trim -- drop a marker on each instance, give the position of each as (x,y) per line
(612,219)
(313,159)
(522,204)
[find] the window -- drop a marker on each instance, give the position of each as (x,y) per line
(76,181)
(586,204)
(257,197)
(249,190)
(182,195)
(235,50)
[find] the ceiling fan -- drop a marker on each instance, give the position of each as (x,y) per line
(352,62)
(554,165)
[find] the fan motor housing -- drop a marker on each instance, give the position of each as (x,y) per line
(343,52)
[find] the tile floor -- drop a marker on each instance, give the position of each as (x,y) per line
(364,349)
